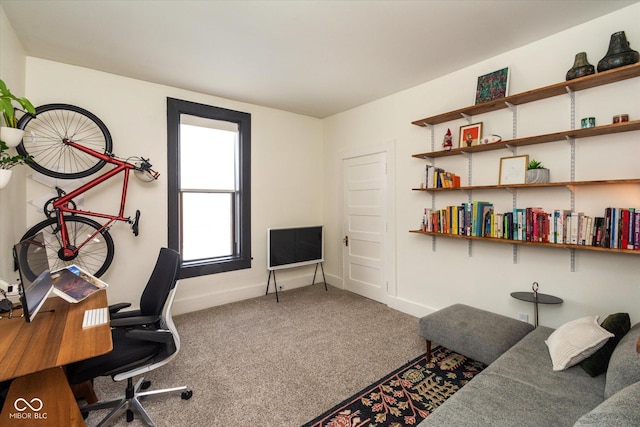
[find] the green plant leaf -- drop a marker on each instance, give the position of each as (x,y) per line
(27,105)
(6,104)
(7,161)
(534,164)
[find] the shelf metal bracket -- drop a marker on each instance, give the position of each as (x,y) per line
(572,96)
(573,260)
(572,171)
(433,138)
(469,157)
(573,159)
(512,148)
(467,117)
(572,143)
(514,203)
(514,110)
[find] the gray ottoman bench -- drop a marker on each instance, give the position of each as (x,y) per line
(470,331)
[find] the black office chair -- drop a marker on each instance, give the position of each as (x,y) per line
(143,340)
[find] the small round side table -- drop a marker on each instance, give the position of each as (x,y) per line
(536,298)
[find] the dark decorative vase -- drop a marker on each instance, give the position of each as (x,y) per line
(581,67)
(619,53)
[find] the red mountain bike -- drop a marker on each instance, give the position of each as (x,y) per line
(69,142)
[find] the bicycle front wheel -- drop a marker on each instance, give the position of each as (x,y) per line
(44,135)
(94,257)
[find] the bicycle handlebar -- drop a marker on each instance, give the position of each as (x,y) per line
(145,166)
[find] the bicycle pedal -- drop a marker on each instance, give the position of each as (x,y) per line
(134,226)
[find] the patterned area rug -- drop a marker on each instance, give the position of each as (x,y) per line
(406,396)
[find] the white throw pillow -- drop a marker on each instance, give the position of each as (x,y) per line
(574,341)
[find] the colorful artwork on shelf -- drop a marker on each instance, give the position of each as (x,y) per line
(492,86)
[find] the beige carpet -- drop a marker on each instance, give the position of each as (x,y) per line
(262,363)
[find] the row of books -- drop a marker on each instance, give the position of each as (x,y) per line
(618,228)
(435,177)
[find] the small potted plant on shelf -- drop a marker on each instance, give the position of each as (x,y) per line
(536,173)
(9,133)
(7,161)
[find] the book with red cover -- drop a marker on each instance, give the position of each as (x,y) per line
(624,229)
(636,229)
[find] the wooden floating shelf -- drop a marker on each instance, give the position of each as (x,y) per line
(594,80)
(538,139)
(547,184)
(526,243)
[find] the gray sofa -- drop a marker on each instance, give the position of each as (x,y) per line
(520,388)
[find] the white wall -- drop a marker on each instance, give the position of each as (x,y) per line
(296,176)
(12,206)
(428,280)
(286,178)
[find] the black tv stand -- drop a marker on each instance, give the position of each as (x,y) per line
(275,284)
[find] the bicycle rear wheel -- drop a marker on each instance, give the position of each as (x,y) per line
(44,135)
(95,257)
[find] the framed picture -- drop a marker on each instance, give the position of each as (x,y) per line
(470,135)
(494,85)
(513,169)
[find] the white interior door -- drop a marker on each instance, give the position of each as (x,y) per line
(365,223)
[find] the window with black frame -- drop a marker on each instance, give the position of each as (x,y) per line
(209,167)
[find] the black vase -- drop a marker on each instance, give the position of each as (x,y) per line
(619,53)
(581,67)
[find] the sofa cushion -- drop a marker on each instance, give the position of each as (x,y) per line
(621,409)
(576,340)
(618,324)
(624,365)
(476,333)
(521,389)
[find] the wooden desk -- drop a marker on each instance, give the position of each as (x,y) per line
(36,352)
(43,401)
(54,338)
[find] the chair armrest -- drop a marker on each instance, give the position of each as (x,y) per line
(127,313)
(134,321)
(114,308)
(160,335)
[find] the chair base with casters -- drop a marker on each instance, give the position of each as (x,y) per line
(130,402)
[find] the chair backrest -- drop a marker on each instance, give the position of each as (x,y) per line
(162,281)
(168,352)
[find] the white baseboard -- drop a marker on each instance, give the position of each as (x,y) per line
(213,299)
(409,307)
(333,280)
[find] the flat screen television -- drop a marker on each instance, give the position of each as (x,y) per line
(294,246)
(35,278)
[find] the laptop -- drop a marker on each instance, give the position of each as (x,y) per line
(35,278)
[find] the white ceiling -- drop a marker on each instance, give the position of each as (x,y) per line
(316,58)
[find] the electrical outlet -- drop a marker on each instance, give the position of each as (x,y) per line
(524,317)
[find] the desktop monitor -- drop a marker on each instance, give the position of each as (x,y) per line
(35,278)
